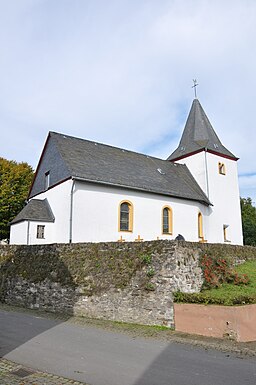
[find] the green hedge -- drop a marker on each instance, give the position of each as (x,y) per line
(206,299)
(227,293)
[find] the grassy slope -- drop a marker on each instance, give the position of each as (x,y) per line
(227,294)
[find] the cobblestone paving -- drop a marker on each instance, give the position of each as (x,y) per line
(7,377)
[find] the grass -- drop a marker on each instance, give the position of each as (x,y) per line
(226,294)
(231,292)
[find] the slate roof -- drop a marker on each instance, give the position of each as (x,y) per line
(199,135)
(35,210)
(100,163)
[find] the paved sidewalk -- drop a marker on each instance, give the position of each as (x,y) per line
(15,374)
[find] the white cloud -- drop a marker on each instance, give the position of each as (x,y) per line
(120,72)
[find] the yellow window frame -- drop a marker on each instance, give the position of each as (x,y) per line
(170,220)
(222,168)
(130,216)
(200,226)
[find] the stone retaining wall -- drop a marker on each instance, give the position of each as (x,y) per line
(129,282)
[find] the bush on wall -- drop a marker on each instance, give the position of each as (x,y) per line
(217,271)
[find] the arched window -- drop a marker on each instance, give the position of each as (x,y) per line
(200,226)
(125,216)
(222,168)
(167,220)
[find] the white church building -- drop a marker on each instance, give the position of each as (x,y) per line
(85,191)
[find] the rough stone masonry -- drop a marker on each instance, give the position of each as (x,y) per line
(129,282)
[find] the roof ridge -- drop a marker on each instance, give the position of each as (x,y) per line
(105,164)
(107,145)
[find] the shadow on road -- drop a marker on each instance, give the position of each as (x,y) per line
(31,278)
(180,364)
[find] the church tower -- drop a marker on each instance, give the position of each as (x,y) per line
(215,169)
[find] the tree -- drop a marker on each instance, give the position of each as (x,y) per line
(248,221)
(15,180)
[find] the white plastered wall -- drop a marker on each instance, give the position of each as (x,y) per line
(59,200)
(25,233)
(48,233)
(95,215)
(18,233)
(223,193)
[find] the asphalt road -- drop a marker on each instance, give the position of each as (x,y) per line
(101,357)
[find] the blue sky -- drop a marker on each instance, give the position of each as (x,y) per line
(120,72)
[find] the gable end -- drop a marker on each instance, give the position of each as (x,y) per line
(51,169)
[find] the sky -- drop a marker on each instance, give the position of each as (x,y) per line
(120,72)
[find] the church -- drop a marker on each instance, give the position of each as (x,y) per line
(85,191)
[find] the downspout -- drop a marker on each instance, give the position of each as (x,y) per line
(28,232)
(207,176)
(71,211)
(206,172)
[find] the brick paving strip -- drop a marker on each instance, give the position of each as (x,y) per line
(16,374)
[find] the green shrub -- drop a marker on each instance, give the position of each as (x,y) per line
(217,271)
(151,272)
(228,293)
(146,259)
(207,299)
(150,286)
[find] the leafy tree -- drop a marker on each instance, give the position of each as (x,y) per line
(15,180)
(248,221)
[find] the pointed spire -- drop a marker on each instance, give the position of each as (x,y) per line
(199,135)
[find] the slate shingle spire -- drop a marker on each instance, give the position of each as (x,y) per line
(199,135)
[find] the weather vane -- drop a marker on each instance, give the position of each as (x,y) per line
(194,86)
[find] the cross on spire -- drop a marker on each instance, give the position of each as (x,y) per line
(194,86)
